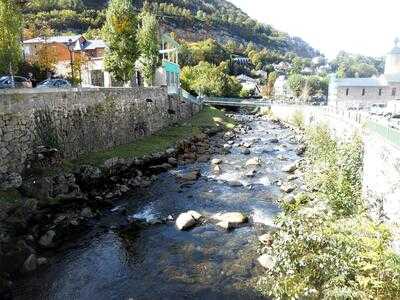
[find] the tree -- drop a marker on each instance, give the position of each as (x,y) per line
(10,37)
(268,89)
(207,79)
(296,83)
(119,31)
(45,58)
(149,44)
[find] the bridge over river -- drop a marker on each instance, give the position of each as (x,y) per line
(237,102)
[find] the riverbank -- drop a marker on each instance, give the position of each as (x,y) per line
(137,242)
(328,245)
(51,207)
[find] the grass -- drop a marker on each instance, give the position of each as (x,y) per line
(208,117)
(10,196)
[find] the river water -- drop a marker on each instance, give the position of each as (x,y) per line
(160,262)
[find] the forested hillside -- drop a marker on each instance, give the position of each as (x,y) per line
(190,19)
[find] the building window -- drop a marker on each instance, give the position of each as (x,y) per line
(363,92)
(347,92)
(380,92)
(394,92)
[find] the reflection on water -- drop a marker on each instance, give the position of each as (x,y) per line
(159,262)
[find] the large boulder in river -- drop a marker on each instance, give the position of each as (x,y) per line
(216,161)
(47,239)
(191,176)
(187,220)
(290,168)
(233,218)
(255,161)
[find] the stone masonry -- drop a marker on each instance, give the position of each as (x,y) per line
(81,121)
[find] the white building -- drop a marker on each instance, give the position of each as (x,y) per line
(363,92)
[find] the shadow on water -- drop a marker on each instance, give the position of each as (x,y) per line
(160,262)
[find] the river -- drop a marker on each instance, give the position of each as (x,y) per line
(160,262)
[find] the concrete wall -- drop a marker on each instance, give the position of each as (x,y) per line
(78,121)
(381,175)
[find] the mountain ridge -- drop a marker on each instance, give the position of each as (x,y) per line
(191,20)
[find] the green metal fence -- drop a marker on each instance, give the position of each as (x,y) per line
(392,135)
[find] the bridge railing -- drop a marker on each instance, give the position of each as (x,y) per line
(188,97)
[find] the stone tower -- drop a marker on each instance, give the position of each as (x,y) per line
(392,64)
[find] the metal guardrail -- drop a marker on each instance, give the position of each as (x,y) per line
(188,97)
(390,134)
(236,102)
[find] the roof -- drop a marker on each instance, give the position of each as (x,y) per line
(245,78)
(361,82)
(392,77)
(53,39)
(78,46)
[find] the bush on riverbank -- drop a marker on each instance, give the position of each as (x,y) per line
(327,247)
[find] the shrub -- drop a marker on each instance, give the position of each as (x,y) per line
(298,119)
(326,246)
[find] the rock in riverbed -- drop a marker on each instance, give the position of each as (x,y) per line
(233,218)
(253,162)
(47,239)
(267,261)
(187,220)
(191,176)
(266,239)
(290,168)
(288,188)
(216,161)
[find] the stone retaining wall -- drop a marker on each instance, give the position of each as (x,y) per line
(381,174)
(79,121)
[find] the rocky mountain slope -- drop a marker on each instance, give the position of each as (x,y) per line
(190,19)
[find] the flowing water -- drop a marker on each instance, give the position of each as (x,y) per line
(160,262)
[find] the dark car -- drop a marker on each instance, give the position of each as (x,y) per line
(54,83)
(9,82)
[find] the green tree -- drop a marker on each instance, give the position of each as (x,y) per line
(296,83)
(10,36)
(210,80)
(148,38)
(119,31)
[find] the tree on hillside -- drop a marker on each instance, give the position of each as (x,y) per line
(119,31)
(10,37)
(268,89)
(148,38)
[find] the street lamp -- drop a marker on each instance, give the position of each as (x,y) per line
(70,49)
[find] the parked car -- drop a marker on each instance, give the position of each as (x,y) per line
(6,82)
(394,121)
(378,109)
(54,83)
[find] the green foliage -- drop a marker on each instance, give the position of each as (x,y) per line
(335,170)
(244,93)
(326,247)
(207,50)
(351,65)
(318,256)
(149,44)
(308,85)
(10,37)
(120,32)
(296,83)
(210,80)
(80,15)
(298,119)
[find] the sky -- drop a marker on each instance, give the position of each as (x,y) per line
(366,27)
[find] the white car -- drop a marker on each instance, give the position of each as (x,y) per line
(378,109)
